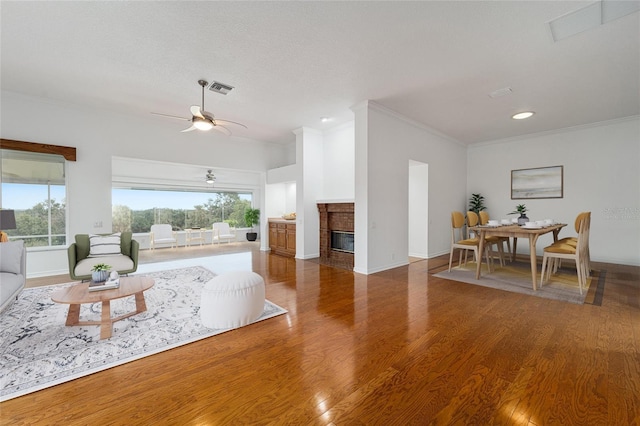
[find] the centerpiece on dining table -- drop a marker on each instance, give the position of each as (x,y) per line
(521,209)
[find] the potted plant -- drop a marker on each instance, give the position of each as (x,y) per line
(100,272)
(251,218)
(521,209)
(476,203)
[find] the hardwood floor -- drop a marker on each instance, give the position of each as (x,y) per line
(400,347)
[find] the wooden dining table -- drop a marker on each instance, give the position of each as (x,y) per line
(516,231)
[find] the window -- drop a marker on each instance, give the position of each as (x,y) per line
(136,210)
(33,185)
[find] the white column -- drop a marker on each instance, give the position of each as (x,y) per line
(361,214)
(309,161)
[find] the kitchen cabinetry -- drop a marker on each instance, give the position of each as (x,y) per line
(282,237)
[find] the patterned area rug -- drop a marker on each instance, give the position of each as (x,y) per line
(516,277)
(38,351)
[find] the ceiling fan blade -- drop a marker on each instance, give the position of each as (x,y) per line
(222,129)
(195,110)
(171,116)
(232,122)
(189,129)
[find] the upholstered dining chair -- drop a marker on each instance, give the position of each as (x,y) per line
(464,243)
(484,219)
(557,251)
(473,220)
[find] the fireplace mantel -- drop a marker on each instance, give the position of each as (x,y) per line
(336,201)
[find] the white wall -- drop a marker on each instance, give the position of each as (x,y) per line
(99,135)
(385,142)
(601,174)
(280,199)
(338,181)
(280,191)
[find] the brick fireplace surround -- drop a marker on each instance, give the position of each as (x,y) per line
(335,217)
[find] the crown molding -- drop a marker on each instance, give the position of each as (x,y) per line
(555,131)
(394,114)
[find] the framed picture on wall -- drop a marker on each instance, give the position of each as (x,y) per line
(541,182)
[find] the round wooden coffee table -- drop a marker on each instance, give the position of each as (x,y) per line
(79,294)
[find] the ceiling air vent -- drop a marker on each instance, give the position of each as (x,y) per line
(220,88)
(501,92)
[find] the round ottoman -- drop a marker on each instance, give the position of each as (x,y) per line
(232,300)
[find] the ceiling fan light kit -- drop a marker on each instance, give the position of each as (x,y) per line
(202,123)
(210,178)
(203,120)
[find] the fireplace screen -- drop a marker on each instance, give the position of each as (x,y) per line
(342,241)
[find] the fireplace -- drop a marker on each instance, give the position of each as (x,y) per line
(337,234)
(342,241)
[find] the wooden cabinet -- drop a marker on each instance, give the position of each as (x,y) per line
(282,238)
(273,236)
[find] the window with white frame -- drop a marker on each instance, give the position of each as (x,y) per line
(33,185)
(137,209)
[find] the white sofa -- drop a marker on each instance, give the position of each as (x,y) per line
(13,271)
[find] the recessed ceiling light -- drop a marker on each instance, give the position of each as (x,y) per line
(324,119)
(522,115)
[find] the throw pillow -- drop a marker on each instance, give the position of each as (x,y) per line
(11,256)
(108,245)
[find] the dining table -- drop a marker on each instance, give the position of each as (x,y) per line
(516,231)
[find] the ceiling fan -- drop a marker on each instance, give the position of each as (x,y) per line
(203,120)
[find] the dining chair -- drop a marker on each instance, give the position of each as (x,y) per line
(459,241)
(484,219)
(573,241)
(473,220)
(560,250)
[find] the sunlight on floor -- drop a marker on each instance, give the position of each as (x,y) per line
(219,263)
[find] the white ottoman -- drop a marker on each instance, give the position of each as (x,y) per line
(232,300)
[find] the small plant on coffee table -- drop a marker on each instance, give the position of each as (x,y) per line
(101,267)
(100,272)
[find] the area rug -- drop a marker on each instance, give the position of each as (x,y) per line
(516,277)
(38,351)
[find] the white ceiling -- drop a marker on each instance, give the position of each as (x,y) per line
(293,62)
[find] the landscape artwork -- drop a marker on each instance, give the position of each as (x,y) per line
(541,182)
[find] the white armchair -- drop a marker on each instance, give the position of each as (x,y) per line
(221,231)
(162,234)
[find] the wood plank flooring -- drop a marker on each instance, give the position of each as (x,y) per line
(400,347)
